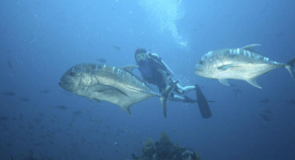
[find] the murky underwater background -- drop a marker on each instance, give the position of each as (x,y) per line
(40,40)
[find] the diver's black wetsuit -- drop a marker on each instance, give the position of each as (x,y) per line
(149,71)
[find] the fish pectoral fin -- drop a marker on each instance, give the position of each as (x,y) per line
(130,68)
(106,88)
(253,83)
(225,67)
(224,82)
(96,100)
(251,46)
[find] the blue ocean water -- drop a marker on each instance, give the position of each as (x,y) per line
(40,40)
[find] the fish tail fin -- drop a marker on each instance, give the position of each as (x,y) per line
(165,96)
(290,67)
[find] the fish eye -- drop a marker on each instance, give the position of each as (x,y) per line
(201,62)
(72,73)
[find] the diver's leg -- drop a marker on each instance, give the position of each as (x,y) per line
(178,98)
(186,89)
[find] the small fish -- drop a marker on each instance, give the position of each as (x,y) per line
(24,99)
(232,85)
(264,100)
(237,92)
(45,91)
(9,64)
(9,94)
(117,48)
(101,60)
(31,126)
(8,144)
(264,116)
(280,34)
(2,118)
(77,113)
(39,144)
(239,63)
(37,120)
(267,111)
(292,101)
(62,107)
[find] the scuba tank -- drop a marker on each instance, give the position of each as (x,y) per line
(159,60)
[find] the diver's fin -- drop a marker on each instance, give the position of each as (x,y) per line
(250,47)
(129,68)
(224,67)
(224,81)
(253,83)
(203,104)
(164,98)
(96,100)
(290,67)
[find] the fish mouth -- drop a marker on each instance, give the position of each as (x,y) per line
(197,70)
(65,85)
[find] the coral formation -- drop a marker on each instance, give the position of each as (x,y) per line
(165,150)
(148,147)
(164,138)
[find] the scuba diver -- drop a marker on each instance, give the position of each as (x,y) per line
(155,71)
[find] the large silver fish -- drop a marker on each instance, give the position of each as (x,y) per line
(109,83)
(239,63)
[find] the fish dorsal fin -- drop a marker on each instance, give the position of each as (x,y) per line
(251,46)
(224,67)
(224,81)
(253,83)
(129,68)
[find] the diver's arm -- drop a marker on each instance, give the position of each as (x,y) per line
(168,68)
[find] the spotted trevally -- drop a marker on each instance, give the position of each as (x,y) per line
(112,84)
(239,63)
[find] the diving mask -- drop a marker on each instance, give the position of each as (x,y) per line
(141,57)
